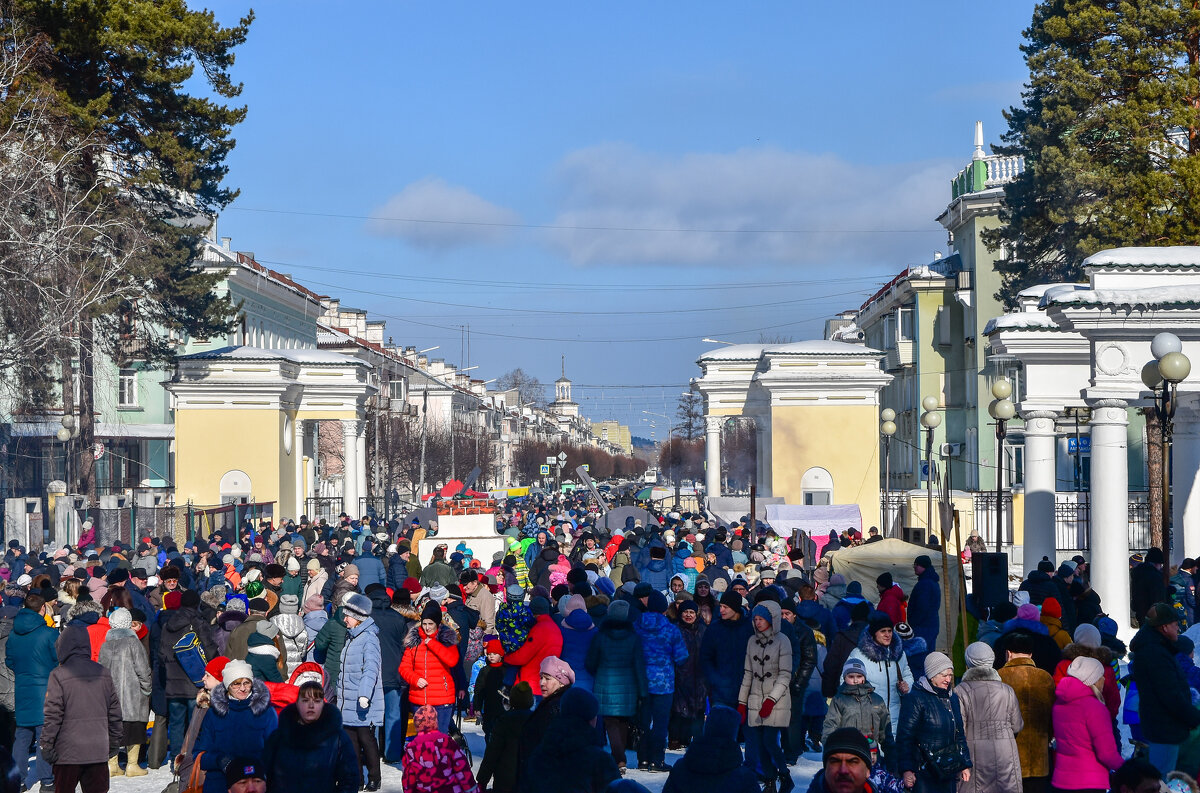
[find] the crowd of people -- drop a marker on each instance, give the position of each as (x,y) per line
(305,655)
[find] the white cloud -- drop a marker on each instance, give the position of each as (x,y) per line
(431,213)
(821,208)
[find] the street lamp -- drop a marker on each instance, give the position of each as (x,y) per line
(717,341)
(930,420)
(1001,409)
(65,433)
(887,428)
(1169,368)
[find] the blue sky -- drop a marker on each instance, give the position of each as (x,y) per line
(608,182)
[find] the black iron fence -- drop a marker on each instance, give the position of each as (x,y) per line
(327,507)
(893,508)
(985,517)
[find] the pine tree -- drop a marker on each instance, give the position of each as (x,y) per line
(118,78)
(1108,126)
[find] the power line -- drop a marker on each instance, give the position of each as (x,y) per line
(560,227)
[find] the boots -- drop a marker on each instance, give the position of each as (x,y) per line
(132,768)
(114,767)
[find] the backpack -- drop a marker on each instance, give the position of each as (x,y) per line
(190,655)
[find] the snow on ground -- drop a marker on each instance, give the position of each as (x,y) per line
(155,781)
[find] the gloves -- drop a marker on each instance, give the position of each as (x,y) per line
(767,706)
(364,703)
(743,710)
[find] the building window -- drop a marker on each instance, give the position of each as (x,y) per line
(396,389)
(906,323)
(127,396)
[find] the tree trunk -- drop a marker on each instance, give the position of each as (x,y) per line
(87,408)
(68,405)
(1154,475)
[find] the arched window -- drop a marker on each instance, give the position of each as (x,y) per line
(816,487)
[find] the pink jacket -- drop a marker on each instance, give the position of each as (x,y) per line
(1085,748)
(892,603)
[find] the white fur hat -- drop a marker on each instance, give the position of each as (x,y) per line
(236,670)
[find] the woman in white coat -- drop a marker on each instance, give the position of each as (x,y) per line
(882,654)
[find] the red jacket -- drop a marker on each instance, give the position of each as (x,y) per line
(433,661)
(97,632)
(545,639)
(892,603)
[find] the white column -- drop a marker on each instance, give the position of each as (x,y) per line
(298,462)
(1040,447)
(349,467)
(1110,511)
(1185,471)
(361,487)
(712,454)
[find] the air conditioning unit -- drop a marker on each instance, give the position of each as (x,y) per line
(951,449)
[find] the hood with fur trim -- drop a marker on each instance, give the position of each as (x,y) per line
(1075,650)
(981,673)
(260,699)
(447,634)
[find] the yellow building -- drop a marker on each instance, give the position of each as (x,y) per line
(615,433)
(245,420)
(815,405)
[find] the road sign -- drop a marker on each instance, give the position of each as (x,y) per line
(545,470)
(1084,445)
(924,477)
(562,458)
(551,461)
(586,467)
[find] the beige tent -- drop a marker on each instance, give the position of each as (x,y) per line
(866,562)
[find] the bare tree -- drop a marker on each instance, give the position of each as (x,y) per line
(530,390)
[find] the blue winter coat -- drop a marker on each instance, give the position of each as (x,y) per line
(657,573)
(723,658)
(663,647)
(370,571)
(578,631)
(361,676)
(924,604)
(31,655)
(396,574)
(233,728)
(722,552)
(618,668)
(812,610)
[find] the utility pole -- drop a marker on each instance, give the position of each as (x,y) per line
(424,424)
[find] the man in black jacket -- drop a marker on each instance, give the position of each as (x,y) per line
(840,648)
(804,660)
(1146,584)
(1165,707)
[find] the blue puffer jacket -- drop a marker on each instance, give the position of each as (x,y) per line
(233,728)
(663,647)
(657,573)
(370,571)
(723,658)
(722,552)
(617,664)
(361,676)
(924,603)
(396,574)
(578,631)
(812,610)
(31,655)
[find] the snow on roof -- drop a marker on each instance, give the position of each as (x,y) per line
(734,352)
(1041,289)
(1150,296)
(303,356)
(1021,320)
(1165,256)
(752,352)
(821,347)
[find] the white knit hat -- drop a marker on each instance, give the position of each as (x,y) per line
(293,566)
(1086,670)
(236,670)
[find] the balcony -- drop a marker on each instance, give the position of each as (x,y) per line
(900,356)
